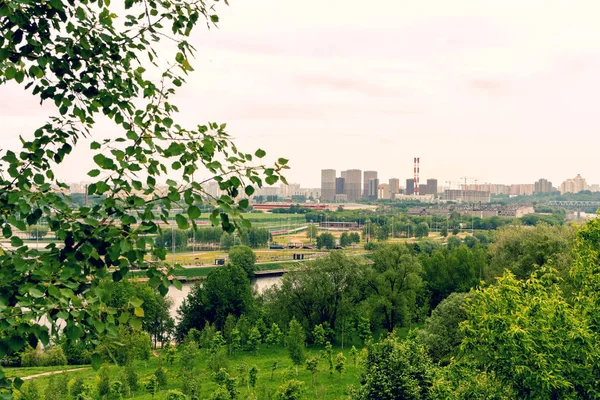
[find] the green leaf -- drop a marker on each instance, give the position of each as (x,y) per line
(36,71)
(260,153)
(271,179)
(168,122)
(136,323)
(138,311)
(16,241)
(214,18)
(282,161)
(182,221)
(10,72)
(136,302)
(193,212)
(94,145)
(177,284)
(249,190)
(93,173)
(123,318)
(39,179)
(96,361)
(35,292)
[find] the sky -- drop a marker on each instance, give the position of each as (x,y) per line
(498,91)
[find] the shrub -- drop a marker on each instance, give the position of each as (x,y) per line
(58,387)
(76,352)
(29,391)
(30,357)
(131,377)
(290,390)
(175,395)
(103,382)
(54,356)
(161,377)
(115,392)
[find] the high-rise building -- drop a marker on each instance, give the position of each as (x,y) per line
(367,176)
(574,185)
(340,185)
(372,187)
(353,184)
(467,196)
(432,187)
(327,184)
(543,186)
(410,187)
(394,185)
(383,191)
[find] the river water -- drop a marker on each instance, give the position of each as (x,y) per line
(259,284)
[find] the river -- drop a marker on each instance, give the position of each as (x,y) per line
(259,284)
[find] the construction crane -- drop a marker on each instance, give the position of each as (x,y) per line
(465,178)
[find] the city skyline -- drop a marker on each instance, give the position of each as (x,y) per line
(474,88)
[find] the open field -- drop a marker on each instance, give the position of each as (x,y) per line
(328,386)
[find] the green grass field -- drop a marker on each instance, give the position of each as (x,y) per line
(328,386)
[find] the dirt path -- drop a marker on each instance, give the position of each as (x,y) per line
(25,378)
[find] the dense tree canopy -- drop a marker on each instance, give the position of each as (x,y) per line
(226,291)
(394,280)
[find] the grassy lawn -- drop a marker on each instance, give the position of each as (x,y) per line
(329,386)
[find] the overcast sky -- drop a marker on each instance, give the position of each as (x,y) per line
(499,91)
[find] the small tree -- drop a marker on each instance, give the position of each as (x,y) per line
(312,231)
(290,390)
(222,378)
(152,385)
(275,335)
(326,240)
(274,367)
(319,334)
(228,328)
(329,355)
(354,355)
(455,231)
(253,376)
(161,377)
(345,239)
(444,231)
(236,340)
(243,257)
(175,395)
(422,230)
(103,385)
(254,340)
(312,364)
(340,363)
(171,352)
(30,391)
(131,377)
(295,343)
(116,391)
(227,241)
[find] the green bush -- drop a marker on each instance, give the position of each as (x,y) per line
(54,356)
(131,377)
(29,391)
(175,395)
(103,383)
(290,390)
(77,352)
(30,357)
(161,377)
